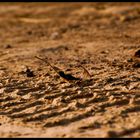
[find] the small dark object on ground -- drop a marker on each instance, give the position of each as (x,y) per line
(136,65)
(67,76)
(8,46)
(29,73)
(137,53)
(130,60)
(112,134)
(110,80)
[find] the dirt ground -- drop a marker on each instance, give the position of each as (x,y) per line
(102,37)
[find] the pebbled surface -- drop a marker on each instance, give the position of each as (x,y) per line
(103,37)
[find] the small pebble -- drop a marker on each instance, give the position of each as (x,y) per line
(57,101)
(27,96)
(15,93)
(63,90)
(2,73)
(1,85)
(55,35)
(105,52)
(79,92)
(136,65)
(137,53)
(132,100)
(2,90)
(130,60)
(95,95)
(29,73)
(111,134)
(108,94)
(111,98)
(7,46)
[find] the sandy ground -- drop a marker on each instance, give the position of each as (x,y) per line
(102,37)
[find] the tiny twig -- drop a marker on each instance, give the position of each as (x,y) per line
(46,62)
(86,73)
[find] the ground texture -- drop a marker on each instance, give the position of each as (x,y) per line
(102,37)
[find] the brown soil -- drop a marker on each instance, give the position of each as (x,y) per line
(103,37)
